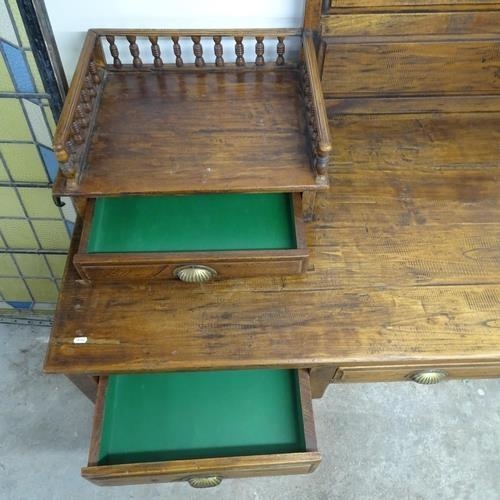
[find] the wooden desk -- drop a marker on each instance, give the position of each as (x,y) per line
(404,274)
(403,280)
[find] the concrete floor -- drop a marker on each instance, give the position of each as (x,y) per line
(379,441)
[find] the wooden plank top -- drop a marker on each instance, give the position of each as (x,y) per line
(198,131)
(404,269)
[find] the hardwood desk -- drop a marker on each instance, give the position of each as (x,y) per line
(403,279)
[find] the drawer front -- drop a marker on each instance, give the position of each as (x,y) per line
(214,471)
(408,55)
(289,256)
(151,267)
(420,373)
(191,458)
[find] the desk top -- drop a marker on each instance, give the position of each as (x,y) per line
(404,269)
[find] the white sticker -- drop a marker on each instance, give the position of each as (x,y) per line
(80,340)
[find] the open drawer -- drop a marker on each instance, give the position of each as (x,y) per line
(201,427)
(193,237)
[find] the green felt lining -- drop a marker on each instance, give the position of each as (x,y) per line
(211,222)
(174,416)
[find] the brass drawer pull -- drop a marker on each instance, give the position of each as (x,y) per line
(205,482)
(428,377)
(195,273)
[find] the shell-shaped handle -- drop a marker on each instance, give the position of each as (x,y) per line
(205,482)
(428,377)
(195,273)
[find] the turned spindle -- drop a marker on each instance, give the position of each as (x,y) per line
(322,164)
(89,85)
(198,52)
(68,170)
(68,167)
(85,100)
(113,49)
(76,133)
(239,51)
(155,50)
(218,51)
(93,71)
(320,155)
(280,50)
(177,52)
(134,51)
(62,155)
(81,116)
(259,51)
(306,84)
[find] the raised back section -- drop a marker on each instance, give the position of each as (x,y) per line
(404,55)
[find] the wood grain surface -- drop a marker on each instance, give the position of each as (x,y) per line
(182,470)
(185,131)
(409,68)
(394,53)
(341,26)
(404,269)
(406,5)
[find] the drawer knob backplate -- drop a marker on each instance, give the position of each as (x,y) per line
(428,377)
(205,482)
(195,273)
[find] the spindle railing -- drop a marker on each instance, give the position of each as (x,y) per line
(316,117)
(79,107)
(209,48)
(222,50)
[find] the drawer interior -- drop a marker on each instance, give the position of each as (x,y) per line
(175,416)
(190,223)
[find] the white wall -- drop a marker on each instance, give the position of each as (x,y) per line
(71,20)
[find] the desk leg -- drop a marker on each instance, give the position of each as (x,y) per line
(308,202)
(87,384)
(320,377)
